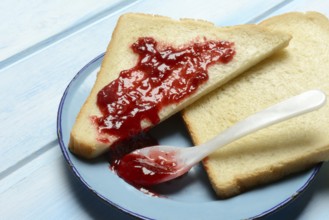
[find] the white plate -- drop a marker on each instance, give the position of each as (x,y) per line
(189,197)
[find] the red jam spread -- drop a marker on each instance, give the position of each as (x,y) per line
(161,77)
(140,170)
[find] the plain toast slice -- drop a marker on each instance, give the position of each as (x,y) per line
(282,149)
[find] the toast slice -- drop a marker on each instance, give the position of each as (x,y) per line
(251,45)
(282,149)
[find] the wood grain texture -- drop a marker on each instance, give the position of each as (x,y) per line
(34,177)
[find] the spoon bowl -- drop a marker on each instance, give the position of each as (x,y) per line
(153,165)
(157,164)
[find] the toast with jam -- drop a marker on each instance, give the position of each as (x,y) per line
(155,66)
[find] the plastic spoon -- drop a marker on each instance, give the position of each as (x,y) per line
(157,164)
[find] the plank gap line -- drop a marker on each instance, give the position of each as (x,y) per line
(28,159)
(263,15)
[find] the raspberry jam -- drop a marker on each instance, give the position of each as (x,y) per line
(161,77)
(140,170)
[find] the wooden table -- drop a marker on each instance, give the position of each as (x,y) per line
(43,44)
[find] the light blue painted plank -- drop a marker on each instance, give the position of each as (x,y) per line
(220,12)
(321,6)
(28,25)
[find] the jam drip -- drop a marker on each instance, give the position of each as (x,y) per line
(160,78)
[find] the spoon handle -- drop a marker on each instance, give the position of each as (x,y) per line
(292,107)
